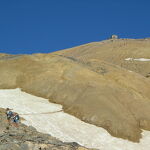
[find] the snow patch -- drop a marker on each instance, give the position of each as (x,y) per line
(137,59)
(46,118)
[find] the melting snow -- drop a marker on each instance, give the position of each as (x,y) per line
(65,127)
(138,59)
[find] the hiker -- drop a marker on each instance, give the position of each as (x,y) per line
(15,119)
(9,114)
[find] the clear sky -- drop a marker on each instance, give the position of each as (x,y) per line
(33,26)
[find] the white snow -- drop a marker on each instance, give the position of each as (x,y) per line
(64,126)
(138,59)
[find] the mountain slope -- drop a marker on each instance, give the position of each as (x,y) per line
(118,52)
(113,98)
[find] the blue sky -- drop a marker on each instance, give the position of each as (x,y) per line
(33,26)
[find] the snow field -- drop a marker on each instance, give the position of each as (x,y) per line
(137,59)
(63,126)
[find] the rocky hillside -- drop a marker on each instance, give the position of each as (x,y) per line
(27,138)
(92,82)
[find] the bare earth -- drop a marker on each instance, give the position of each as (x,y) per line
(93,82)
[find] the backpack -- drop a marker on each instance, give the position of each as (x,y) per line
(17,117)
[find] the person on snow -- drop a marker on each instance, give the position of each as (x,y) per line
(9,115)
(16,119)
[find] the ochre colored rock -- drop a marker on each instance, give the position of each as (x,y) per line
(91,82)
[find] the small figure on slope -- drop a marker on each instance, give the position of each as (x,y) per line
(9,115)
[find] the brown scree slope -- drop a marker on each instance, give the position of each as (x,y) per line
(99,92)
(114,52)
